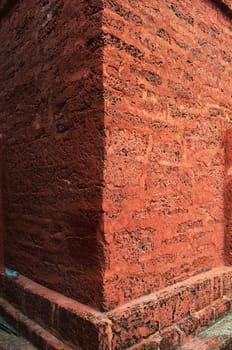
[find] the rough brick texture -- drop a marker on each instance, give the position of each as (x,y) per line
(167,81)
(2,228)
(115,114)
(167,318)
(51,114)
(228,197)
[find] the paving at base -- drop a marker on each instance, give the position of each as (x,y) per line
(12,342)
(216,337)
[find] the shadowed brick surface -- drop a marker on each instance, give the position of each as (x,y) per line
(117,123)
(51,115)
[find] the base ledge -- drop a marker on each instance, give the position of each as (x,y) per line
(30,329)
(167,318)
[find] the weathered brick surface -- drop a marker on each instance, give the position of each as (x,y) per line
(171,338)
(72,323)
(165,318)
(117,123)
(188,305)
(2,228)
(51,113)
(205,316)
(167,80)
(221,306)
(114,152)
(228,198)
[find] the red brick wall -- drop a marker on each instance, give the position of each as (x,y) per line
(51,112)
(228,197)
(146,118)
(167,79)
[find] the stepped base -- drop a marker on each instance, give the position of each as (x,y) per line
(168,318)
(216,337)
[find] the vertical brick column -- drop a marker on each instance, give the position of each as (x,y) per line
(51,115)
(228,196)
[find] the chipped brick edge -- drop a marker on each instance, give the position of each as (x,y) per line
(72,323)
(171,316)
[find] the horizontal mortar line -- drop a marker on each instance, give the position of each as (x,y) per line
(175,288)
(87,312)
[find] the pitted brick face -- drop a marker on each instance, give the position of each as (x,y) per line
(115,114)
(163,200)
(52,118)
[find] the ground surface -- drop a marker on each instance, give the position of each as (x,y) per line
(218,336)
(11,342)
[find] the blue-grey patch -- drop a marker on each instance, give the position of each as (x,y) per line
(222,327)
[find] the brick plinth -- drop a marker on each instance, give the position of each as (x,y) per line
(166,318)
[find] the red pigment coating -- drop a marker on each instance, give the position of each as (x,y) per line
(115,114)
(167,80)
(228,197)
(168,317)
(51,108)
